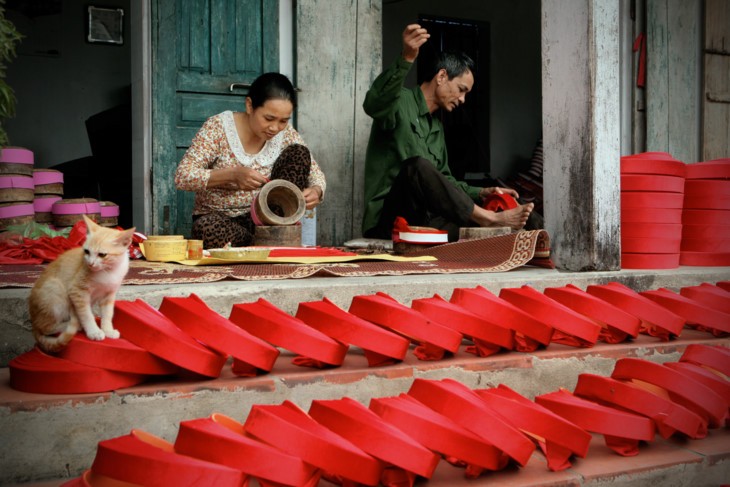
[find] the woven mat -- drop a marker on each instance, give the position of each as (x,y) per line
(495,254)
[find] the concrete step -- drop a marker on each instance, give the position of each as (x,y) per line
(55,436)
(52,437)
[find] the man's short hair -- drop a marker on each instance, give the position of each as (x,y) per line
(455,63)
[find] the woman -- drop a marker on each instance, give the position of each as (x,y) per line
(235,153)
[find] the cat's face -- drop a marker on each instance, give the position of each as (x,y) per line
(105,247)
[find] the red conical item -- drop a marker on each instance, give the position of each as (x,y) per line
(119,354)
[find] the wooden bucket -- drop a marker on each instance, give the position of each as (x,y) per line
(278,236)
(17,161)
(48,181)
(109,214)
(15,214)
(67,212)
(43,205)
(14,189)
(280,195)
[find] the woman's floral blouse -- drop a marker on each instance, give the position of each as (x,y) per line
(217,146)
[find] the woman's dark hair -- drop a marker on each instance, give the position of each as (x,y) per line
(455,63)
(271,86)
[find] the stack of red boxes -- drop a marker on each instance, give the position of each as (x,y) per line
(652,197)
(706,215)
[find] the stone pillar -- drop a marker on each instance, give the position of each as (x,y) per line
(581,117)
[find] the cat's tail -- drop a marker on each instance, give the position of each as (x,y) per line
(56,342)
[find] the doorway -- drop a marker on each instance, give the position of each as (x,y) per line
(466,128)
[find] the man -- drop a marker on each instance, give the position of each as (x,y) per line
(406,166)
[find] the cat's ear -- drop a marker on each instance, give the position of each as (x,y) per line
(91,225)
(124,238)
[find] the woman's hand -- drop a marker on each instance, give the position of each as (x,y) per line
(312,196)
(236,179)
(487,191)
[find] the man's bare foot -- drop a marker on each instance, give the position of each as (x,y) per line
(515,218)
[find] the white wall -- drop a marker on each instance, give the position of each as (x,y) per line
(60,80)
(515,79)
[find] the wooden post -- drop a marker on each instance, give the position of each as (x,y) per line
(581,116)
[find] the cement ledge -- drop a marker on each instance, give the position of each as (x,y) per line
(15,337)
(79,422)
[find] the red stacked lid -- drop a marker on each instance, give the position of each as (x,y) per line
(706,215)
(652,196)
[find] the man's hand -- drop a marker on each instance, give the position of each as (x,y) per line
(413,38)
(487,191)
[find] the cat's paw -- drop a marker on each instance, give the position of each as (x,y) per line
(95,334)
(112,333)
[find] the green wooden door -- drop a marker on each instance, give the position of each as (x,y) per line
(200,48)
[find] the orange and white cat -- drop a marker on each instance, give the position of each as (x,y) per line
(62,299)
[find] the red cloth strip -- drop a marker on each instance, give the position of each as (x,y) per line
(369,432)
(345,327)
(120,355)
(621,430)
(651,230)
(579,331)
(651,200)
(145,459)
(194,317)
(490,335)
(499,202)
(717,358)
(36,372)
(704,376)
(558,437)
(146,327)
(692,311)
(705,231)
(652,163)
(715,245)
(650,245)
(667,415)
(437,432)
(649,261)
(683,390)
(530,333)
(715,169)
(220,439)
(288,428)
(385,311)
(705,217)
(705,259)
(709,295)
(707,194)
(266,321)
(641,182)
(657,320)
(462,405)
(651,215)
(619,324)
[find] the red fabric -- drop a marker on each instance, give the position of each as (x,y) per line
(380,345)
(287,427)
(145,459)
(387,312)
(222,440)
(369,432)
(485,333)
(529,332)
(16,249)
(194,317)
(463,406)
(622,431)
(267,322)
(437,432)
(557,437)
